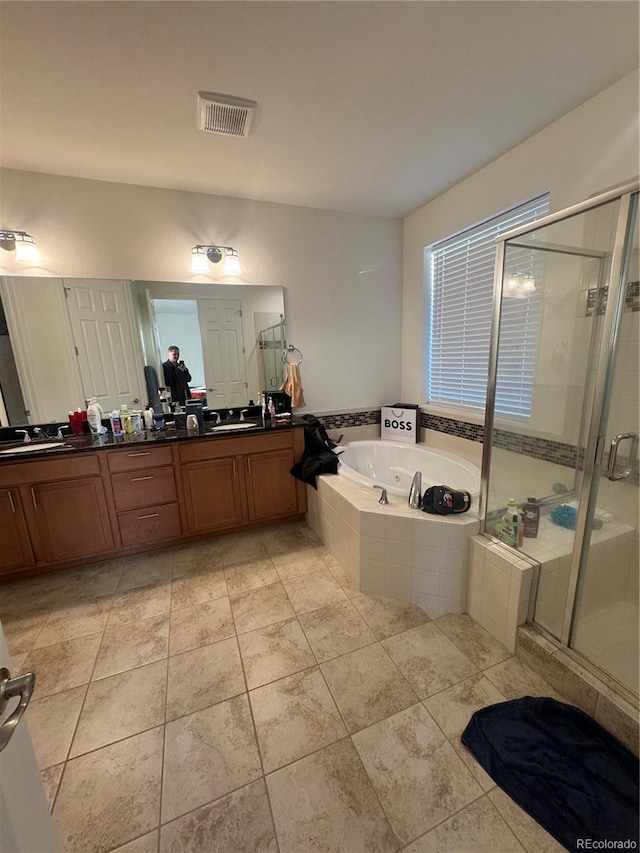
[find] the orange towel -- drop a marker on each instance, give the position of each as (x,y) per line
(292,385)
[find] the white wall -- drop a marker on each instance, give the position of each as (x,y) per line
(590,149)
(346,322)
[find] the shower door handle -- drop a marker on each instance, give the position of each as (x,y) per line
(613,455)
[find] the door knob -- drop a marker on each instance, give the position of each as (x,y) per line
(21,686)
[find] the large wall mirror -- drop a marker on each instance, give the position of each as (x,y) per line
(64,341)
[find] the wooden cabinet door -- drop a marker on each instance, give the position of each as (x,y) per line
(271,490)
(213,493)
(71,518)
(15,551)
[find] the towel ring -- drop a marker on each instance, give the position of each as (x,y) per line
(287,352)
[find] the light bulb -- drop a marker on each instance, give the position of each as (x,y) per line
(512,285)
(232,263)
(27,251)
(528,284)
(199,261)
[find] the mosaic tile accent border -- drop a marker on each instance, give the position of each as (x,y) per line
(598,306)
(350,419)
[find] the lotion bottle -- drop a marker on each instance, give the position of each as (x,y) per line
(148,417)
(94,416)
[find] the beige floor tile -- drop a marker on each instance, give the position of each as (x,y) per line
(290,537)
(325,803)
(34,597)
(93,581)
(197,586)
(203,677)
(513,679)
(293,564)
(415,771)
(349,583)
(478,828)
(207,755)
(77,619)
(192,627)
(52,722)
(239,549)
(259,607)
(387,617)
(453,708)
(147,570)
(250,575)
(428,659)
(274,651)
(22,633)
(313,591)
(196,559)
(478,644)
(128,646)
(145,844)
(63,665)
(51,780)
(240,822)
(120,706)
(367,686)
(293,717)
(110,796)
(336,630)
(531,835)
(142,602)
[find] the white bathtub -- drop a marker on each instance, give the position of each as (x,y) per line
(393,465)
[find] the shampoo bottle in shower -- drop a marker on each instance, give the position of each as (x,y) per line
(530,518)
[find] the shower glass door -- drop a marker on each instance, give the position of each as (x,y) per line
(605,618)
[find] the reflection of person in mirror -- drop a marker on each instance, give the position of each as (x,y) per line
(177,376)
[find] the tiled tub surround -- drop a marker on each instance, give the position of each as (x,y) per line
(240,695)
(401,553)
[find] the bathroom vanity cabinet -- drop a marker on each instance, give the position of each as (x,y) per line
(83,506)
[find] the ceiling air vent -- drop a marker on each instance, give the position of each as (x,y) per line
(224,114)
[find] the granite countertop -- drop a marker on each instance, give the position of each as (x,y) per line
(12,451)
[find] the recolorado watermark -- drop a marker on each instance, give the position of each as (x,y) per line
(605,844)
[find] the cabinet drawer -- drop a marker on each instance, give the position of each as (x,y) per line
(132,459)
(48,470)
(143,488)
(151,524)
(219,448)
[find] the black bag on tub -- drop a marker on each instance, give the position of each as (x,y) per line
(443,500)
(318,456)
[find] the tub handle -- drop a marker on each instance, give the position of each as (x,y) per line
(383,497)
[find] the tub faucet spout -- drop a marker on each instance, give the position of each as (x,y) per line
(415,498)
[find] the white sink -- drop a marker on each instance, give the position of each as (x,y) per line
(32,448)
(232,427)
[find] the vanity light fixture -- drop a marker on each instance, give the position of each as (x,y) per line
(519,286)
(22,244)
(202,256)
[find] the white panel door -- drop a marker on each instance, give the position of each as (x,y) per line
(225,367)
(25,824)
(109,357)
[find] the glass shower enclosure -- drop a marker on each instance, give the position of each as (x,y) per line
(562,422)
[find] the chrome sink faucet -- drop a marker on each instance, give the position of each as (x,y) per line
(25,433)
(39,433)
(243,413)
(217,414)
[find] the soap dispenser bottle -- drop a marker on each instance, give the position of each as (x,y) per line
(510,533)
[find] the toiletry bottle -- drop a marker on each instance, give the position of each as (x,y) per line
(272,411)
(116,423)
(94,416)
(530,518)
(148,417)
(125,417)
(164,400)
(509,532)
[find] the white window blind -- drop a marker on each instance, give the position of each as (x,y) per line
(460,276)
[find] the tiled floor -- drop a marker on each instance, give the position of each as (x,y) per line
(240,696)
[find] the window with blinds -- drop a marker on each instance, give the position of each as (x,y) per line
(460,273)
